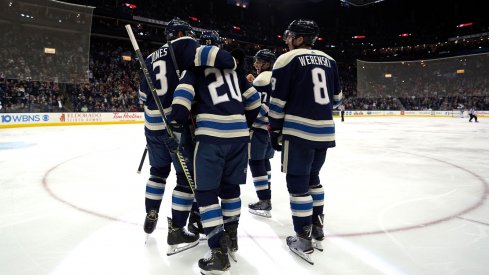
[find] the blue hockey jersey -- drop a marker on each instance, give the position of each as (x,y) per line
(221,101)
(188,53)
(263,85)
(305,89)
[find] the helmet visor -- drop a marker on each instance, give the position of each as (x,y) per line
(288,34)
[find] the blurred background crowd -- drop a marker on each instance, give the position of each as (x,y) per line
(392,55)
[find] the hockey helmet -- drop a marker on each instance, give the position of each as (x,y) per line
(175,26)
(306,28)
(266,55)
(210,38)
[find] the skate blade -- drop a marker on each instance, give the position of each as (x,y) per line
(318,245)
(203,237)
(177,248)
(306,257)
(232,255)
(261,213)
(215,272)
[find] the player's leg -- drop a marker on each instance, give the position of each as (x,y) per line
(209,165)
(179,239)
(316,191)
(296,163)
(258,168)
(234,174)
(160,162)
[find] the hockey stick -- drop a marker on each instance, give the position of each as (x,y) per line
(142,159)
(177,71)
(172,54)
(171,135)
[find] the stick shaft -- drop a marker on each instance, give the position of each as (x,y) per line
(151,87)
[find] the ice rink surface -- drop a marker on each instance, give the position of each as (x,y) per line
(402,196)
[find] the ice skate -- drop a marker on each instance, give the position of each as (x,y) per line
(261,208)
(195,226)
(179,239)
(150,223)
(218,262)
(318,233)
(232,232)
(302,244)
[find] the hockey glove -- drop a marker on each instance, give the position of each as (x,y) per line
(177,130)
(173,143)
(276,138)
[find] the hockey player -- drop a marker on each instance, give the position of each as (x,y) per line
(341,108)
(261,150)
(473,114)
(222,135)
(305,88)
(187,53)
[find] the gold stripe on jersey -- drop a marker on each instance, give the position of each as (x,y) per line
(221,133)
(308,136)
(309,122)
(227,118)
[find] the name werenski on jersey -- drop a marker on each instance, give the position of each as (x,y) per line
(315,60)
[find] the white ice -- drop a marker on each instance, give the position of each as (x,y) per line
(403,196)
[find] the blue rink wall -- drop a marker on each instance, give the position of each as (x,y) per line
(11,120)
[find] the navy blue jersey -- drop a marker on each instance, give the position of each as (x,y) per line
(263,85)
(221,101)
(305,88)
(188,53)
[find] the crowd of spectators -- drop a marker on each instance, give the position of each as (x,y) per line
(113,87)
(113,82)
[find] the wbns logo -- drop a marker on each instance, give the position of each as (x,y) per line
(23,118)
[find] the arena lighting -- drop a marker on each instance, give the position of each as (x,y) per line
(320,39)
(359,3)
(358,37)
(50,50)
(465,25)
(460,71)
(405,34)
(131,6)
(126,57)
(236,28)
(194,18)
(388,75)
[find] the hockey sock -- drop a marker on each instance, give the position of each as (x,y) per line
(211,216)
(260,179)
(317,194)
(301,206)
(269,172)
(230,203)
(300,201)
(182,199)
(155,187)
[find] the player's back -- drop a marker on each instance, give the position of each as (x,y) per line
(220,104)
(163,71)
(305,87)
(312,81)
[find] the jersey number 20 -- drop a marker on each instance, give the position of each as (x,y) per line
(232,83)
